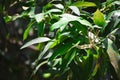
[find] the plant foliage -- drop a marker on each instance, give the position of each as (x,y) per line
(80,38)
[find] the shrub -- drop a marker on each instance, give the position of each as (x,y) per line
(81,39)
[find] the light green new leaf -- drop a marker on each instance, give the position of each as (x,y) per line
(34,41)
(84,4)
(25,35)
(98,18)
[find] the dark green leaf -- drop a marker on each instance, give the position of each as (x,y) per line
(67,59)
(61,50)
(41,27)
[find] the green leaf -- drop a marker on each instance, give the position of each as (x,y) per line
(84,4)
(85,22)
(47,47)
(109,1)
(8,18)
(66,18)
(60,6)
(53,11)
(39,17)
(60,39)
(46,75)
(62,49)
(55,42)
(31,14)
(116,31)
(34,41)
(41,27)
(98,18)
(25,35)
(75,9)
(116,3)
(67,59)
(70,17)
(61,23)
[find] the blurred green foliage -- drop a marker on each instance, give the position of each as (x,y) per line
(77,39)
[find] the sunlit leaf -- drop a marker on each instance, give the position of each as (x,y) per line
(34,41)
(61,23)
(66,18)
(39,17)
(53,11)
(75,9)
(98,18)
(31,14)
(69,16)
(60,6)
(116,2)
(82,21)
(85,22)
